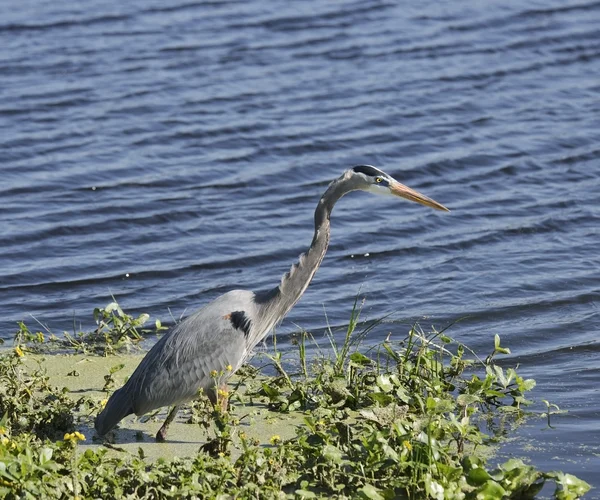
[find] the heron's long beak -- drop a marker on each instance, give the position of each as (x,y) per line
(410,194)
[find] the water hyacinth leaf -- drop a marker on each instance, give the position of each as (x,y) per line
(46,455)
(520,476)
(433,488)
(359,359)
(381,398)
(369,415)
(491,490)
(273,394)
(390,453)
(431,403)
(478,476)
(467,399)
(568,487)
(369,491)
(384,383)
(402,395)
(305,494)
(332,454)
(471,462)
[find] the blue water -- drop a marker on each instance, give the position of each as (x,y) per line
(166,152)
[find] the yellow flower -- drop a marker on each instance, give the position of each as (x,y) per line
(214,374)
(2,430)
(19,352)
(103,402)
(275,439)
(223,393)
(74,437)
(407,445)
(229,368)
(4,441)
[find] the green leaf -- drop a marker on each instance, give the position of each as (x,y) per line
(402,395)
(478,476)
(526,385)
(390,453)
(332,454)
(467,399)
(369,491)
(384,383)
(381,398)
(433,488)
(272,393)
(113,306)
(142,318)
(568,487)
(45,455)
(305,494)
(360,359)
(471,462)
(116,368)
(490,393)
(491,490)
(431,403)
(509,409)
(513,463)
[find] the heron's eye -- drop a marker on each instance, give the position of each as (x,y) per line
(378,180)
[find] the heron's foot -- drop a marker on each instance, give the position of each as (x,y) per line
(161,435)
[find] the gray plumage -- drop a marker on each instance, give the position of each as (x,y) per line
(225,331)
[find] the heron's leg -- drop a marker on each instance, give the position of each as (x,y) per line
(161,435)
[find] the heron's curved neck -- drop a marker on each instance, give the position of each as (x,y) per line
(276,303)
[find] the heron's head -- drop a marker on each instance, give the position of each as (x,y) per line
(368,178)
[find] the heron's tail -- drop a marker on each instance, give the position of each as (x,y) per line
(118,407)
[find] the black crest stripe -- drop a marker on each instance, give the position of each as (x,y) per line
(368,170)
(240,321)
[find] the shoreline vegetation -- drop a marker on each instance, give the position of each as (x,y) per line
(415,418)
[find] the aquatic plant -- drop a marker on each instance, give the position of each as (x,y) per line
(405,419)
(116,331)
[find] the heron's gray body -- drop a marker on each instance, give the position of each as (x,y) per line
(181,362)
(224,332)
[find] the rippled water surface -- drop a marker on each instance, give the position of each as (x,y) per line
(166,152)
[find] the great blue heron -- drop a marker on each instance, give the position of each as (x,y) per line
(221,335)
